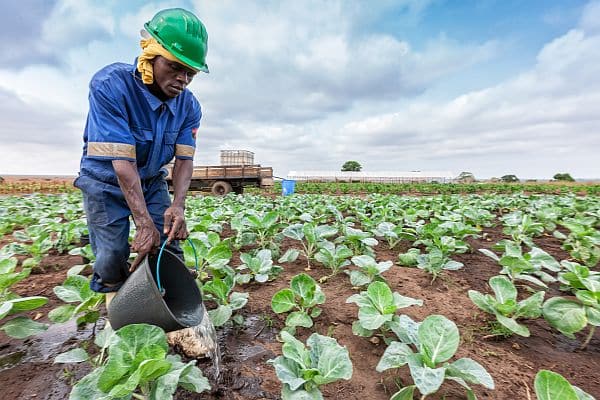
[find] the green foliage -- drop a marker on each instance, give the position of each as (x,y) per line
(565,176)
(552,386)
(369,270)
(351,166)
(260,267)
(303,296)
(303,370)
(221,291)
(427,347)
(137,365)
(509,178)
(505,307)
(377,309)
(86,308)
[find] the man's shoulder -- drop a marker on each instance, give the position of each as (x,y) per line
(112,73)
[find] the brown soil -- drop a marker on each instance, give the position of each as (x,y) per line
(513,362)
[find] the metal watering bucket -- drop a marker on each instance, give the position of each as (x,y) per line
(161,292)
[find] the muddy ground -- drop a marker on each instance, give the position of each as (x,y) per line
(28,372)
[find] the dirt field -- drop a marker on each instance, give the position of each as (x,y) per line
(28,371)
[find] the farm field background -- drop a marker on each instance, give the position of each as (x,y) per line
(550,233)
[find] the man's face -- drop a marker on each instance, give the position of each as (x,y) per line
(171,77)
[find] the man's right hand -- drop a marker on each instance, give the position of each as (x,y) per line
(146,240)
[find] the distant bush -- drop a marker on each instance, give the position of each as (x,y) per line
(509,178)
(351,166)
(565,177)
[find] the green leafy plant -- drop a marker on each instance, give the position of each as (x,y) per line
(137,367)
(428,347)
(410,258)
(221,291)
(334,257)
(517,265)
(358,241)
(76,289)
(369,270)
(570,315)
(552,386)
(210,252)
(583,240)
(302,371)
(303,295)
(309,235)
(10,303)
(260,267)
(394,233)
(505,307)
(377,309)
(435,262)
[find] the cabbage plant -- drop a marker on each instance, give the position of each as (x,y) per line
(137,366)
(309,235)
(369,270)
(221,292)
(302,369)
(505,307)
(552,386)
(303,296)
(260,267)
(427,348)
(377,309)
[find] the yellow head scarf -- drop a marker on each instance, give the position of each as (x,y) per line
(150,49)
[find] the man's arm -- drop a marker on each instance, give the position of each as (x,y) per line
(146,236)
(175,226)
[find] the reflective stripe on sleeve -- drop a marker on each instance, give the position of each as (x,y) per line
(104,149)
(183,150)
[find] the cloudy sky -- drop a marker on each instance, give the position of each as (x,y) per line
(492,87)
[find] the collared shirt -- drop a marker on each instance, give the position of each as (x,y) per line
(127,122)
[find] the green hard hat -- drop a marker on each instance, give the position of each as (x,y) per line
(182,34)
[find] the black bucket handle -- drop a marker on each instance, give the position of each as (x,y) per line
(160,288)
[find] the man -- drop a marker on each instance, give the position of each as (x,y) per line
(140,117)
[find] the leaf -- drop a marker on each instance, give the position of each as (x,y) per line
(105,337)
(288,394)
(481,301)
(404,301)
(26,303)
(470,371)
(220,315)
(87,388)
(568,316)
(332,360)
(357,278)
(22,327)
(290,256)
(62,313)
(75,355)
(295,350)
(503,289)
(238,300)
(428,380)
(490,254)
(303,286)
(283,301)
(381,296)
(288,372)
(358,330)
(552,386)
(294,231)
(406,329)
(513,325)
(299,318)
(530,307)
(395,356)
(76,288)
(406,393)
(370,318)
(135,343)
(439,339)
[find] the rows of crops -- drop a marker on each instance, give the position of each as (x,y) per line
(243,242)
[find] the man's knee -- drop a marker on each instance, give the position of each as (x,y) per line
(111,265)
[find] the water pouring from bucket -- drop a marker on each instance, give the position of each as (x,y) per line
(163,292)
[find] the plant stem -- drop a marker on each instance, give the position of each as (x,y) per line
(588,338)
(138,396)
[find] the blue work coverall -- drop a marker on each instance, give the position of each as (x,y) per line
(127,122)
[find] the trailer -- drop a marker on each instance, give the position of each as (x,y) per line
(222,179)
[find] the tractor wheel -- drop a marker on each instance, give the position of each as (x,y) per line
(220,188)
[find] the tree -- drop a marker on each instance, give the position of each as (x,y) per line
(566,177)
(509,178)
(466,177)
(351,166)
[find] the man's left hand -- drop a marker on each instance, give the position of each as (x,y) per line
(175,226)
